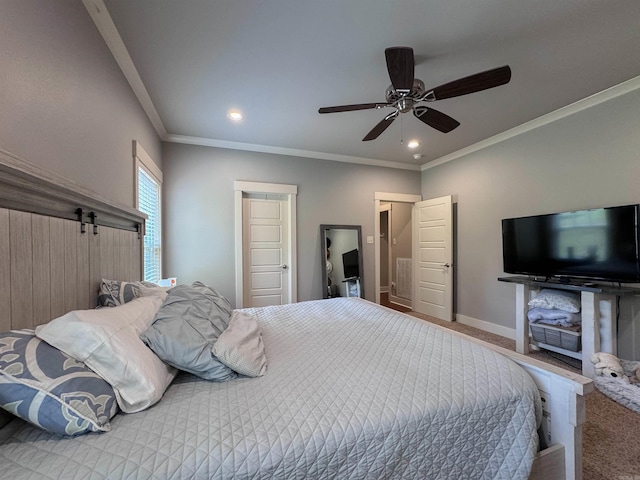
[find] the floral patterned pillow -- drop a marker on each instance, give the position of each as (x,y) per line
(50,389)
(115,292)
(557,300)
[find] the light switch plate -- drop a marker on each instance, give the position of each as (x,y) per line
(369,238)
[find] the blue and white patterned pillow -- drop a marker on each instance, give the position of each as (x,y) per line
(115,292)
(50,389)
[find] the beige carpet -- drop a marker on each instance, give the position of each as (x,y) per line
(611,433)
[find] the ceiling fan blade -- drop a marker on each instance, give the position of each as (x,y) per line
(473,83)
(380,127)
(350,108)
(435,119)
(400,65)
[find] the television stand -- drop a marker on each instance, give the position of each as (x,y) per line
(598,311)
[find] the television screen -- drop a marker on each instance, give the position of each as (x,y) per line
(601,243)
(350,264)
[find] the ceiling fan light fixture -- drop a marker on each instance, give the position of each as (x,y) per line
(235,116)
(413,144)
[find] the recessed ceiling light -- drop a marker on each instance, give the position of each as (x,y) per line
(413,144)
(235,116)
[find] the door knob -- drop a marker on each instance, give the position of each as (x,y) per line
(284,267)
(446,265)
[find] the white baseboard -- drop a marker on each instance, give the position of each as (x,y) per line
(384,288)
(400,301)
(487,326)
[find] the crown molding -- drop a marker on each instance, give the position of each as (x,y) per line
(100,16)
(294,152)
(571,109)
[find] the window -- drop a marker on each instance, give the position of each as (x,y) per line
(149,201)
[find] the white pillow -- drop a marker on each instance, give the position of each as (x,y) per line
(107,341)
(240,346)
(161,292)
(557,300)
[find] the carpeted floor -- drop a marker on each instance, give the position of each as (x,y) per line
(611,433)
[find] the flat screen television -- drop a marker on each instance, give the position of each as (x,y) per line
(600,244)
(351,264)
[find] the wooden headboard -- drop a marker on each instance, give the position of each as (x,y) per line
(57,241)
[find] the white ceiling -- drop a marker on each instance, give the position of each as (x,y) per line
(278,61)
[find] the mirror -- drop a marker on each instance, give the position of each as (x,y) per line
(341,257)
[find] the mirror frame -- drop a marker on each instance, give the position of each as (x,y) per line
(324,228)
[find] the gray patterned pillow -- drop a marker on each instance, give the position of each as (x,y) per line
(50,389)
(115,292)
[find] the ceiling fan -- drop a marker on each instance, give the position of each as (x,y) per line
(406,92)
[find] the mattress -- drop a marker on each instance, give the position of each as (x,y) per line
(353,391)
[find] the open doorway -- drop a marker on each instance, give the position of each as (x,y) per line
(393,262)
(396,279)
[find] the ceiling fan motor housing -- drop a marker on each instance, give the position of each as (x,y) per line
(405,101)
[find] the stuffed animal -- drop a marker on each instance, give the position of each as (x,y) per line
(631,370)
(608,365)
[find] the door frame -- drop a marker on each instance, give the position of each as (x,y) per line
(385,197)
(290,192)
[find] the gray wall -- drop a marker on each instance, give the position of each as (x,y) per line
(199,209)
(589,159)
(64,103)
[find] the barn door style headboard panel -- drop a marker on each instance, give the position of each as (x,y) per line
(57,241)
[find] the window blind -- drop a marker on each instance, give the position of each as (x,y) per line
(149,203)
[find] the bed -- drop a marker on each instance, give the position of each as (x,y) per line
(352,390)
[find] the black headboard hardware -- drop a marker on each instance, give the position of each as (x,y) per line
(94,222)
(83,224)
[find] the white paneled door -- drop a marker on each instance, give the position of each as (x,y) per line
(265,250)
(433,240)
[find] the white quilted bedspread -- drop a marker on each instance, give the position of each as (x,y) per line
(352,391)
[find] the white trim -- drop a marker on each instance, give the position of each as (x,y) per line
(257,187)
(403,302)
(397,197)
(100,16)
(506,332)
(573,108)
(294,152)
(142,160)
(142,155)
(291,191)
(385,197)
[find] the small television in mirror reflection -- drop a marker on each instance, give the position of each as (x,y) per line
(350,263)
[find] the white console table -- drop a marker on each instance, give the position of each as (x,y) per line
(598,310)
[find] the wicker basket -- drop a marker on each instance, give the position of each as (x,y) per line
(557,336)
